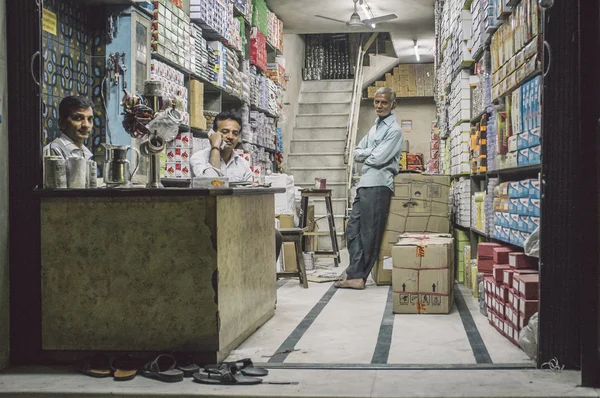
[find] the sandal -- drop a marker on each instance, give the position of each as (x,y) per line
(244,365)
(125,367)
(185,363)
(163,369)
(95,366)
(226,376)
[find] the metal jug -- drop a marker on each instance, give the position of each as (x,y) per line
(117,167)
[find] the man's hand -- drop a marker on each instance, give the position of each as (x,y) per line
(216,140)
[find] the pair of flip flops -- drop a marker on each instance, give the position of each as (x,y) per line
(240,372)
(121,368)
(170,368)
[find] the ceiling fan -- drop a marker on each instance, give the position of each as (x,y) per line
(356,22)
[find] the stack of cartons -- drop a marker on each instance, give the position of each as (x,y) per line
(462,240)
(419,205)
(408,80)
(197,119)
(422,276)
(511,292)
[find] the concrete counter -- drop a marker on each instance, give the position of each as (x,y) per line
(179,269)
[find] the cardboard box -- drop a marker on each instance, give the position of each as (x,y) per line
(382,271)
(285,220)
(528,286)
(498,272)
(290,263)
(501,255)
(422,277)
(485,265)
(521,261)
(401,223)
(486,249)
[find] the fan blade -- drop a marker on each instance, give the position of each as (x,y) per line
(383,18)
(331,19)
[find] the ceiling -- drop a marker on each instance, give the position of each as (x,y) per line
(415,21)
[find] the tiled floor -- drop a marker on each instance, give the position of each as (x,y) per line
(347,329)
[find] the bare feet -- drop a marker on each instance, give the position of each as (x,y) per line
(358,284)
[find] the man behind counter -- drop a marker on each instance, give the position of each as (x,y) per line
(220,160)
(75,120)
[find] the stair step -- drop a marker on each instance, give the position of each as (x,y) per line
(325,85)
(318,146)
(324,108)
(326,97)
(312,120)
(310,173)
(316,159)
(324,133)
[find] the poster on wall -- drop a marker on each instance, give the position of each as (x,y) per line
(407,126)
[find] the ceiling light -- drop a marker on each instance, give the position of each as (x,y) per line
(417,51)
(373,25)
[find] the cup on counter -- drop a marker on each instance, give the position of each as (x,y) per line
(55,172)
(77,172)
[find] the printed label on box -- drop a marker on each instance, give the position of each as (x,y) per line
(534,189)
(387,263)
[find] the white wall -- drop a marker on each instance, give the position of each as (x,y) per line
(421,111)
(293,51)
(4,318)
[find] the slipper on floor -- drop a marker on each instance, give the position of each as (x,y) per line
(227,376)
(163,369)
(185,363)
(244,365)
(125,367)
(95,366)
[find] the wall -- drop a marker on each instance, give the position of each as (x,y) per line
(4,305)
(421,111)
(293,51)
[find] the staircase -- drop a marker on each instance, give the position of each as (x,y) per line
(317,147)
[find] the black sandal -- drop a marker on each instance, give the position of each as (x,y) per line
(163,369)
(244,365)
(185,363)
(226,376)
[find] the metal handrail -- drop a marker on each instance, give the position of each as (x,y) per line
(353,123)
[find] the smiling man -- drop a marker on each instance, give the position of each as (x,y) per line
(379,151)
(75,120)
(220,160)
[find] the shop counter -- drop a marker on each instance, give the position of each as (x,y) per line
(155,270)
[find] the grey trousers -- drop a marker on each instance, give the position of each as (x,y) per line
(366,228)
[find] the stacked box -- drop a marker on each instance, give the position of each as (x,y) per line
(214,16)
(462,240)
(422,275)
(276,71)
(460,138)
(260,16)
(478,216)
(516,211)
(219,53)
(511,293)
(197,119)
(461,202)
(200,54)
(489,205)
(420,205)
(258,49)
(274,35)
(433,164)
(173,86)
(178,153)
(479,147)
(170,33)
(408,80)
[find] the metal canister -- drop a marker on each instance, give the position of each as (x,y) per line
(55,172)
(92,181)
(77,172)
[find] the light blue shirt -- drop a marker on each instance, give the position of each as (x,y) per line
(380,151)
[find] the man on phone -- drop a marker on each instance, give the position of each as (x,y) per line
(220,160)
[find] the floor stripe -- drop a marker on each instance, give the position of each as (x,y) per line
(384,340)
(477,345)
(410,366)
(290,343)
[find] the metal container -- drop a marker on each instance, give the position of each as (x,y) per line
(117,169)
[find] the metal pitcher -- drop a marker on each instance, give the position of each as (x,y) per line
(117,167)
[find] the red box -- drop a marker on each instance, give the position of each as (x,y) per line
(414,159)
(501,255)
(486,250)
(415,167)
(522,261)
(508,277)
(502,293)
(513,298)
(484,265)
(528,286)
(498,272)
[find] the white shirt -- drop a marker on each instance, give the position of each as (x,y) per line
(65,147)
(237,169)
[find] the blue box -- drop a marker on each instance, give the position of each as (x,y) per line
(535,137)
(514,190)
(523,140)
(524,237)
(497,233)
(498,218)
(535,154)
(523,157)
(523,207)
(523,224)
(514,237)
(534,189)
(524,187)
(506,220)
(513,205)
(534,223)
(535,210)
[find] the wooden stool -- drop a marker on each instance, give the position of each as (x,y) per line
(326,194)
(295,235)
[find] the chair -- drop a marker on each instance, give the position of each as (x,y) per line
(295,235)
